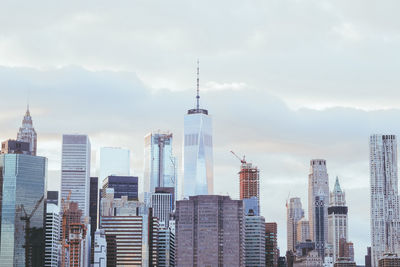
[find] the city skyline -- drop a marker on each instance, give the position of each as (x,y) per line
(280,94)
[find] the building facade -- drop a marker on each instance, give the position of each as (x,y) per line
(93,210)
(318,201)
(254,241)
(337,218)
(271,244)
(162,205)
(303,231)
(389,260)
(52,238)
(123,186)
(100,249)
(22,206)
(75,170)
(385,220)
(249,183)
(159,162)
(198,163)
(27,133)
(166,247)
(294,213)
(209,231)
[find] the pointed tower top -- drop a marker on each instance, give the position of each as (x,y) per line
(337,186)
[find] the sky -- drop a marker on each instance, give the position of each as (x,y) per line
(285,81)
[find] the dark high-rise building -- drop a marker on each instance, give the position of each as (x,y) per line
(15,147)
(271,244)
(123,186)
(52,197)
(209,231)
(282,262)
(22,207)
(368,257)
(93,210)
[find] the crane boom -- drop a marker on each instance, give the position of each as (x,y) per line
(243,161)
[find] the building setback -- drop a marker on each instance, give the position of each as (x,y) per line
(209,231)
(385,219)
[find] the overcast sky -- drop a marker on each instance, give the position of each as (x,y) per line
(285,81)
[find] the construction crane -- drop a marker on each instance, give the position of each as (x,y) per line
(27,219)
(243,161)
(64,245)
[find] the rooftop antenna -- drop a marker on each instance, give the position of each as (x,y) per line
(198,86)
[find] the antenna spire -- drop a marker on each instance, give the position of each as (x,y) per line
(198,86)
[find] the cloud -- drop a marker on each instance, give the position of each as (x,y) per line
(117,109)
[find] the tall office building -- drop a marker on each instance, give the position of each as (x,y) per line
(318,201)
(254,241)
(27,133)
(337,219)
(209,231)
(249,182)
(93,210)
(271,244)
(198,151)
(114,161)
(162,204)
(159,162)
(385,219)
(295,213)
(122,185)
(75,170)
(166,247)
(368,257)
(52,197)
(23,187)
(303,230)
(53,228)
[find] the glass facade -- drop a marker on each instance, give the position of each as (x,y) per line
(160,163)
(123,186)
(198,155)
(23,184)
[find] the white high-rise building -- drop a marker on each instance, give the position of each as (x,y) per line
(337,219)
(159,162)
(27,133)
(385,220)
(52,238)
(318,201)
(162,204)
(294,214)
(75,170)
(114,161)
(100,249)
(198,152)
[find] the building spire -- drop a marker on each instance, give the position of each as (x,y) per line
(337,186)
(198,86)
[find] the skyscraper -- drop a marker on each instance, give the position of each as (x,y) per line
(27,133)
(271,244)
(303,230)
(122,185)
(93,210)
(159,162)
(254,241)
(294,214)
(114,161)
(318,201)
(385,220)
(100,249)
(23,186)
(198,151)
(209,231)
(249,182)
(53,227)
(75,170)
(337,219)
(162,204)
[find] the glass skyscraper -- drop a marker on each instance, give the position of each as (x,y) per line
(198,152)
(23,187)
(159,162)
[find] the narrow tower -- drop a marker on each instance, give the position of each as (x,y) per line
(198,151)
(295,213)
(27,133)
